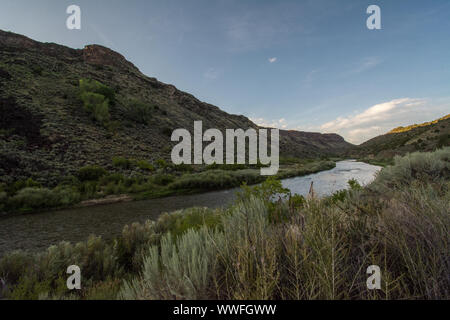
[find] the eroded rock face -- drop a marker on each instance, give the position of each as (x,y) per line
(99,55)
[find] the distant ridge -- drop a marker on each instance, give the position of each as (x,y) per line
(413,126)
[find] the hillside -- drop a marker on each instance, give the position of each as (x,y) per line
(46,131)
(427,136)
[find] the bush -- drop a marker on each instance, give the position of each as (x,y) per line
(138,111)
(183,270)
(94,86)
(161,163)
(30,199)
(91,173)
(97,105)
(145,165)
(162,179)
(114,178)
(96,99)
(122,162)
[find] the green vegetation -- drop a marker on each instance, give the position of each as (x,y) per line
(96,99)
(138,111)
(138,178)
(267,247)
(62,109)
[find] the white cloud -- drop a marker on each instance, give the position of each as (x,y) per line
(381,118)
(272,60)
(280,123)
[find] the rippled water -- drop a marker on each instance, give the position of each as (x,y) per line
(38,231)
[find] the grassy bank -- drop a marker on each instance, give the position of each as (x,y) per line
(139,180)
(292,248)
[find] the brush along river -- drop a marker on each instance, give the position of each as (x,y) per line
(38,231)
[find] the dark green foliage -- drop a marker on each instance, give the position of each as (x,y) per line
(91,173)
(354,184)
(443,141)
(138,111)
(94,86)
(162,179)
(32,199)
(145,165)
(96,105)
(161,163)
(96,99)
(122,162)
(167,131)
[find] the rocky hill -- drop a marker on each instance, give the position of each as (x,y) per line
(47,130)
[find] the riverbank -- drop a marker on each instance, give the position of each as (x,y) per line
(96,186)
(292,249)
(77,223)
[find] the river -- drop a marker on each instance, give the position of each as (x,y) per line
(38,231)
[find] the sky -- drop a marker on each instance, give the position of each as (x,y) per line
(308,65)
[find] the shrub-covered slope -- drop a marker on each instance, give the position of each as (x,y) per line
(62,109)
(420,137)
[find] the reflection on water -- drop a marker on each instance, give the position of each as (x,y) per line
(38,231)
(327,182)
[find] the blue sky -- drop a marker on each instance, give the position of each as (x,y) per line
(306,65)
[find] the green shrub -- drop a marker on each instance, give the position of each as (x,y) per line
(122,162)
(91,173)
(161,163)
(94,86)
(97,105)
(114,178)
(145,165)
(29,199)
(21,184)
(138,111)
(354,184)
(96,99)
(178,222)
(183,270)
(162,179)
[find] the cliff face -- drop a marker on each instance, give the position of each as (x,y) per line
(45,130)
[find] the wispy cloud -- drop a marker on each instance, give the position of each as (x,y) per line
(272,60)
(366,64)
(383,117)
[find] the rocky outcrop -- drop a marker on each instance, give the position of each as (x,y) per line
(99,55)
